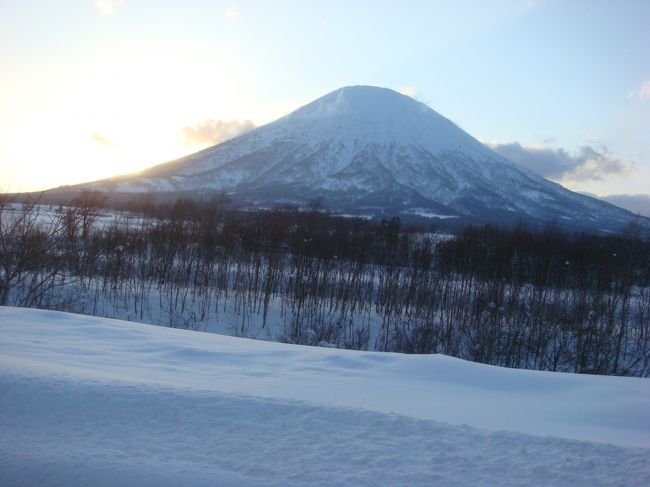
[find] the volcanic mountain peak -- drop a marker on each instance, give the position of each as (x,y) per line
(373,115)
(362,102)
(372,151)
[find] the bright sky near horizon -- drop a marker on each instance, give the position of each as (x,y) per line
(95,88)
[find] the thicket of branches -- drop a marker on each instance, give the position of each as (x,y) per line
(516,298)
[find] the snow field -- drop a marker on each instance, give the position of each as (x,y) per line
(91,401)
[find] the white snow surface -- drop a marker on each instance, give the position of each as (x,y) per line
(93,401)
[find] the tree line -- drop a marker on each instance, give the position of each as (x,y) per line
(513,297)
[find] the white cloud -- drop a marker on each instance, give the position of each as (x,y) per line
(586,164)
(106,6)
(211,132)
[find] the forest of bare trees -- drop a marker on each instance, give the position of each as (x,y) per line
(511,297)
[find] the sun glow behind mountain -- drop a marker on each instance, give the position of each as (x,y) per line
(121,114)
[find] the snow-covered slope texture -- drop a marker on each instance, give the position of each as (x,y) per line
(367,149)
(88,401)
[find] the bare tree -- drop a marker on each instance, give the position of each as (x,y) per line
(27,262)
(88,204)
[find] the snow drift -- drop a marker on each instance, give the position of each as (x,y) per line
(92,401)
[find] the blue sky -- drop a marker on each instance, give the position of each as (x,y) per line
(94,88)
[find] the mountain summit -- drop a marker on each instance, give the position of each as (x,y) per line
(371,151)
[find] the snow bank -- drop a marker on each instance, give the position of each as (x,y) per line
(92,401)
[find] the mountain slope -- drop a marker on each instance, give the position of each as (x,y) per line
(370,150)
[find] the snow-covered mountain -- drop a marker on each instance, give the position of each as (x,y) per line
(372,151)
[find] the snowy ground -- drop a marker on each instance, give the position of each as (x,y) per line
(91,401)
